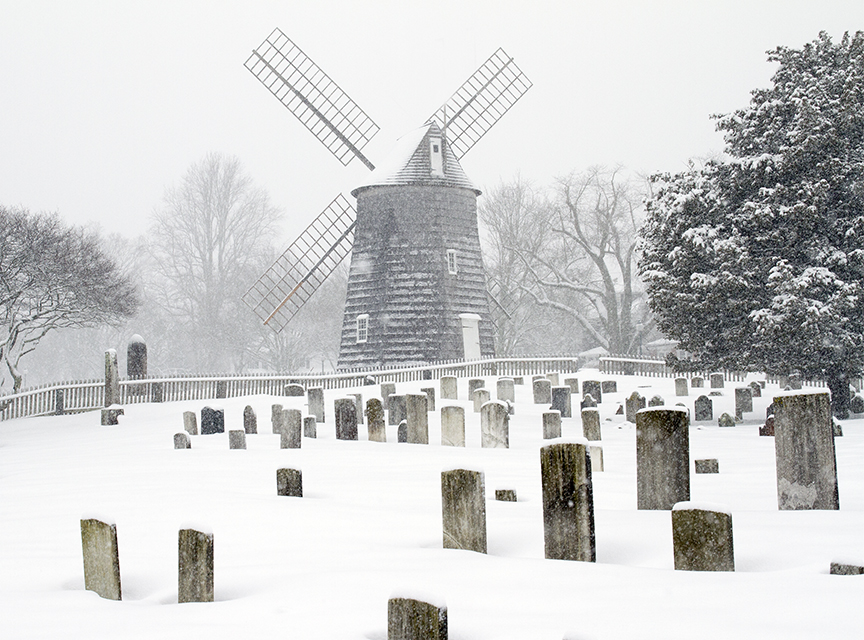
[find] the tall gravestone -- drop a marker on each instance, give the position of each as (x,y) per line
(236,439)
(463,506)
(662,458)
(387,389)
(345,410)
(410,619)
(276,418)
(702,538)
(417,418)
(542,391)
(633,404)
(591,424)
(804,449)
(101,558)
(430,397)
(703,409)
(315,398)
(195,571)
(681,387)
(568,502)
(505,390)
(212,420)
(396,412)
(449,388)
(452,426)
(250,420)
(743,401)
(494,425)
(292,425)
(480,397)
(375,420)
(561,401)
(136,358)
(551,425)
(310,427)
(190,423)
(594,389)
(358,405)
(112,379)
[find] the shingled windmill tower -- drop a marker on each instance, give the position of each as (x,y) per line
(416,286)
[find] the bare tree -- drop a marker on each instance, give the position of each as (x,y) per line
(52,276)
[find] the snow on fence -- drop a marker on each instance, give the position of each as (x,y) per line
(73,397)
(629,365)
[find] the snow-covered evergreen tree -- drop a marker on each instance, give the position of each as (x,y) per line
(757,262)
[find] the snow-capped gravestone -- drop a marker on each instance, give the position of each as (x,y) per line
(292,425)
(358,405)
(190,423)
(681,387)
(725,420)
(702,537)
(402,432)
(703,409)
(250,420)
(743,401)
(430,397)
(551,425)
(276,418)
(553,378)
(410,619)
(212,421)
(591,424)
(480,397)
(294,390)
(236,439)
(717,380)
(707,465)
(310,427)
(662,458)
(452,426)
(110,415)
(396,412)
(767,429)
(494,425)
(588,401)
(473,385)
(633,404)
(195,571)
(568,502)
(417,417)
(182,441)
(289,482)
(449,389)
(315,399)
(609,386)
(136,358)
(112,379)
(387,389)
(697,382)
(755,390)
(542,391)
(804,448)
(101,558)
(561,401)
(594,389)
(375,420)
(505,390)
(573,383)
(345,410)
(463,506)
(856,405)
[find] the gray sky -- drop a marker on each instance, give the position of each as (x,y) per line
(103,104)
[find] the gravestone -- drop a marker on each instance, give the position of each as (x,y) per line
(463,506)
(702,538)
(294,390)
(553,378)
(136,358)
(568,502)
(358,405)
(110,415)
(494,425)
(182,441)
(591,424)
(289,482)
(725,420)
(707,465)
(743,401)
(795,381)
(551,425)
(449,388)
(480,397)
(101,558)
(662,458)
(767,429)
(633,404)
(310,427)
(573,383)
(587,402)
(396,412)
(609,386)
(212,421)
(59,401)
(112,379)
(473,385)
(594,389)
(402,432)
(417,418)
(195,573)
(561,401)
(755,389)
(387,389)
(190,423)
(717,380)
(681,388)
(856,404)
(315,400)
(250,420)
(292,426)
(842,569)
(345,410)
(656,401)
(804,449)
(703,409)
(542,391)
(410,619)
(236,439)
(697,382)
(452,426)
(595,451)
(156,392)
(518,380)
(375,420)
(276,418)
(505,495)
(505,391)
(221,388)
(430,397)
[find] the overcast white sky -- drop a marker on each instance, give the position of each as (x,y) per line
(103,104)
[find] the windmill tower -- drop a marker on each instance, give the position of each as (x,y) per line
(416,286)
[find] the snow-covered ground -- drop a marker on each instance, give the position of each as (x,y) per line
(369,526)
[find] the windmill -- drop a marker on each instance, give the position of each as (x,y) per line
(416,285)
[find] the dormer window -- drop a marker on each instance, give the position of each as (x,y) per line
(362,327)
(436,157)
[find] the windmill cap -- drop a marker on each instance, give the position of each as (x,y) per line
(410,163)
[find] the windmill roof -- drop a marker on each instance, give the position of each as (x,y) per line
(410,164)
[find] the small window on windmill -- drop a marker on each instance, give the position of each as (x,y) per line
(362,327)
(436,157)
(451,261)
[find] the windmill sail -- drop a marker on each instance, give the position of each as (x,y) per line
(310,94)
(285,287)
(481,101)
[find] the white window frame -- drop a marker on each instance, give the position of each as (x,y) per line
(436,157)
(362,328)
(452,264)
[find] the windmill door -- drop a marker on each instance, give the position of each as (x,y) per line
(471,335)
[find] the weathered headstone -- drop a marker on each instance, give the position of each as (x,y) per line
(551,425)
(662,458)
(743,401)
(856,405)
(387,389)
(596,453)
(156,392)
(250,420)
(473,385)
(289,482)
(568,502)
(588,401)
(417,417)
(505,495)
(110,415)
(755,389)
(136,358)
(358,405)
(804,449)
(276,418)
(101,558)
(697,382)
(310,427)
(112,379)
(795,381)
(573,383)
(518,380)
(292,426)
(396,412)
(542,391)
(402,432)
(633,404)
(505,391)
(463,505)
(375,420)
(553,378)
(345,410)
(703,409)
(452,426)
(294,390)
(190,423)
(767,429)
(707,465)
(212,420)
(182,441)
(410,619)
(843,569)
(681,387)
(195,572)
(561,401)
(221,388)
(59,402)
(236,439)
(725,420)
(702,538)
(591,424)
(449,388)
(594,389)
(315,399)
(656,401)
(717,380)
(609,386)
(494,425)
(480,397)
(430,397)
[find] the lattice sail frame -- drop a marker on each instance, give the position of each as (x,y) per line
(481,101)
(312,96)
(285,287)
